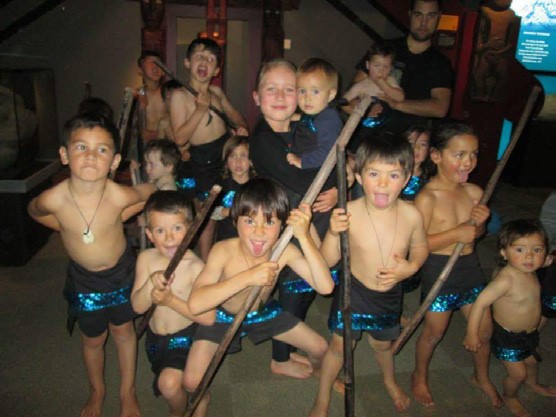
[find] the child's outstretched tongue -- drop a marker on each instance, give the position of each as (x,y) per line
(172,251)
(463,175)
(257,247)
(381,200)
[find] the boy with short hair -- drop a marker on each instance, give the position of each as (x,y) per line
(162,157)
(172,326)
(319,125)
(259,210)
(514,294)
(193,122)
(88,209)
(149,96)
(382,230)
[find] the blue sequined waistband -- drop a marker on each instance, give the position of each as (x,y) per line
(98,300)
(300,286)
(449,302)
(270,311)
(364,322)
(186,183)
(509,355)
(179,342)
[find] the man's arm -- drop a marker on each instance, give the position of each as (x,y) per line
(184,122)
(233,114)
(436,106)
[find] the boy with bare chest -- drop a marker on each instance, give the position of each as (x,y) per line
(383,231)
(88,210)
(235,265)
(172,326)
(150,98)
(514,295)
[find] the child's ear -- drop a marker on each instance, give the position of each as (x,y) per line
(367,65)
(149,233)
(503,254)
(358,178)
(256,98)
(332,94)
(216,72)
(115,162)
(63,152)
(407,180)
(186,63)
(435,155)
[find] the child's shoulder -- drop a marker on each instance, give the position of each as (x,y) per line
(473,190)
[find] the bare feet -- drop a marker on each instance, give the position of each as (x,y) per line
(421,392)
(489,389)
(291,368)
(541,389)
(93,406)
(296,357)
(400,398)
(319,410)
(129,406)
(515,407)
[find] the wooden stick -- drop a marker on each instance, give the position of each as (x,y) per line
(123,120)
(180,252)
(349,397)
(277,250)
(195,93)
(407,331)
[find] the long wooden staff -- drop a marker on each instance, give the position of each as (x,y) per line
(182,248)
(349,396)
(407,331)
(277,250)
(123,120)
(195,93)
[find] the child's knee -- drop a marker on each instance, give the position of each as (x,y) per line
(191,381)
(95,342)
(432,336)
(123,333)
(380,346)
(170,383)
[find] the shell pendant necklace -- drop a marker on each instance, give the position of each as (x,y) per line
(88,237)
(384,260)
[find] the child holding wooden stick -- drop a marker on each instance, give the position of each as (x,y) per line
(514,295)
(382,231)
(448,204)
(234,266)
(88,209)
(172,326)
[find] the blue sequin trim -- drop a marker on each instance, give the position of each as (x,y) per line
(270,311)
(186,183)
(364,322)
(371,122)
(549,301)
(300,286)
(509,355)
(413,186)
(449,302)
(228,199)
(309,121)
(98,300)
(183,342)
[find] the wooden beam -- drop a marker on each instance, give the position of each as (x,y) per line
(347,12)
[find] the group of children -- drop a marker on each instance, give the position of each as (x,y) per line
(392,240)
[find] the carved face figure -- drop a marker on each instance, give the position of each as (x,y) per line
(152,12)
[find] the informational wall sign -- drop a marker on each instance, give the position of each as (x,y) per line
(536,48)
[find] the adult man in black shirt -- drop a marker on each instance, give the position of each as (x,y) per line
(427,76)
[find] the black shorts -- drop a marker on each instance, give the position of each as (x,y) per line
(375,312)
(513,347)
(207,164)
(257,325)
(96,298)
(170,351)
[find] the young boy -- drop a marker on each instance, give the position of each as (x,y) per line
(162,157)
(514,294)
(320,125)
(88,209)
(380,83)
(193,122)
(172,327)
(259,210)
(149,96)
(382,231)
